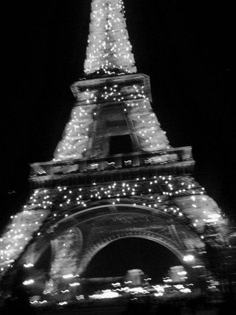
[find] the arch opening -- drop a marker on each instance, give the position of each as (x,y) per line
(124,254)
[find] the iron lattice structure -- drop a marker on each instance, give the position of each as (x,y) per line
(86,197)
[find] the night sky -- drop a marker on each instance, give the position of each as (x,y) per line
(185,46)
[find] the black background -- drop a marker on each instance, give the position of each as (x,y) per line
(185,46)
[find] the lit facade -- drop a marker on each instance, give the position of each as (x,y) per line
(87,197)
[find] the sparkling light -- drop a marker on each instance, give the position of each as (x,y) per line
(69,276)
(22,226)
(74,284)
(108,48)
(189,258)
(28,282)
(157,190)
(29,265)
(105,294)
(75,142)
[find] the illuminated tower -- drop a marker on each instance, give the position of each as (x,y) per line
(113,175)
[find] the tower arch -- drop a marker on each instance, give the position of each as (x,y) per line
(129,252)
(93,250)
(85,233)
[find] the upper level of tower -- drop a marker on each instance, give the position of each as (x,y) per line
(112,125)
(113,112)
(112,115)
(109,50)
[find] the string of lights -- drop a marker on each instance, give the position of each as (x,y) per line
(178,196)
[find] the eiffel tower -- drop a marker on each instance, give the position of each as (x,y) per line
(114,174)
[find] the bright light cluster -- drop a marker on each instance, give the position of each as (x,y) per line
(155,290)
(109,47)
(112,92)
(146,127)
(157,189)
(76,135)
(158,291)
(190,202)
(144,122)
(18,233)
(105,294)
(153,192)
(203,211)
(188,258)
(62,285)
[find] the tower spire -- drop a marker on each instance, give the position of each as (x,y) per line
(109,50)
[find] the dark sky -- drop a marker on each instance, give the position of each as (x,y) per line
(185,46)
